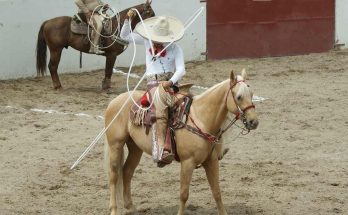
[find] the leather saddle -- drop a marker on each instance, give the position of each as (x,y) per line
(146,118)
(79,26)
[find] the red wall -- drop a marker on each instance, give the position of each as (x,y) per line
(259,28)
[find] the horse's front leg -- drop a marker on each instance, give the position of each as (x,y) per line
(187,168)
(211,167)
(115,172)
(109,66)
(131,163)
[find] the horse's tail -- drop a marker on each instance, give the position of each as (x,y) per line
(119,184)
(41,52)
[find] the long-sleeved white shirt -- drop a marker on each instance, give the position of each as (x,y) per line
(173,61)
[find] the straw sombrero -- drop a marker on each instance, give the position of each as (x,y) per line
(161,29)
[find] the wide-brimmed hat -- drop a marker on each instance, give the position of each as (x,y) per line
(161,29)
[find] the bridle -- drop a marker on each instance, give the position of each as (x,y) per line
(239,114)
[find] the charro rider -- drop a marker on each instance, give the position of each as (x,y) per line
(87,7)
(163,71)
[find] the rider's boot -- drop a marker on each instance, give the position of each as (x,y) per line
(162,104)
(165,155)
(95,50)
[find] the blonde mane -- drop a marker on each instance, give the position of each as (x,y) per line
(243,87)
(208,91)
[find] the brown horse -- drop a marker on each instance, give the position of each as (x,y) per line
(56,34)
(208,112)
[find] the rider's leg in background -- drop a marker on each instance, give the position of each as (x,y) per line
(98,25)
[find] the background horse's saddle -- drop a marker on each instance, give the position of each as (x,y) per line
(79,25)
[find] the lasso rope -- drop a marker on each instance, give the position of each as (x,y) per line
(187,24)
(94,142)
(115,13)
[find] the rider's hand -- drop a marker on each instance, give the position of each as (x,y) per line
(167,84)
(131,14)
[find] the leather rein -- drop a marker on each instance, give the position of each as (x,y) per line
(240,114)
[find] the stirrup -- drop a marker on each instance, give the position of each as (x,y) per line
(98,52)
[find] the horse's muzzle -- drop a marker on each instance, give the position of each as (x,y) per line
(251,124)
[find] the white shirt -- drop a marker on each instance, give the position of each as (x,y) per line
(173,61)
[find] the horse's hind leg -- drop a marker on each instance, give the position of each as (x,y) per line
(211,167)
(131,163)
(55,55)
(116,155)
(187,168)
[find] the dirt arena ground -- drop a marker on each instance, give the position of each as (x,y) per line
(296,162)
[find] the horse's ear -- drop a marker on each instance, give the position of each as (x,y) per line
(185,88)
(244,74)
(232,77)
(148,2)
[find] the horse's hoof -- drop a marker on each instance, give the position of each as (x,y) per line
(106,84)
(58,87)
(131,212)
(114,212)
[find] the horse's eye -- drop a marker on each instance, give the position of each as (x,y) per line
(239,98)
(248,85)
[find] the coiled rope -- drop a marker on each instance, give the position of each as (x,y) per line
(115,13)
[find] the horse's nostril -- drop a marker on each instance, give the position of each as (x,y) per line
(253,123)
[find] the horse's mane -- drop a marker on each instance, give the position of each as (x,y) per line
(208,91)
(243,89)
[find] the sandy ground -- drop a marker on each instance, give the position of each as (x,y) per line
(296,162)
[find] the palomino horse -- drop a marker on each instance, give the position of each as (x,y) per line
(208,112)
(56,34)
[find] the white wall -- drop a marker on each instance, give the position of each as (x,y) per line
(20,22)
(342,22)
